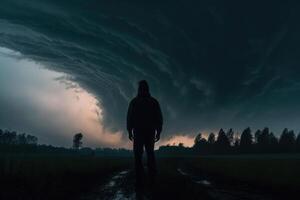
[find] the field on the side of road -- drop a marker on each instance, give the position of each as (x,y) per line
(266,171)
(71,177)
(54,176)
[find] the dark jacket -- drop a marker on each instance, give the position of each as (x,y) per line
(144,114)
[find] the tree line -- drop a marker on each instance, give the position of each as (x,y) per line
(13,142)
(248,142)
(261,141)
(13,138)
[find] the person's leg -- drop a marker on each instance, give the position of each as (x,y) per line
(151,163)
(138,148)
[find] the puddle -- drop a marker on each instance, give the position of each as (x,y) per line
(182,172)
(121,196)
(114,179)
(204,182)
(113,189)
(123,172)
(195,179)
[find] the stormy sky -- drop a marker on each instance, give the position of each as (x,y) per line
(211,64)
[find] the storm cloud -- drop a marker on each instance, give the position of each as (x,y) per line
(211,64)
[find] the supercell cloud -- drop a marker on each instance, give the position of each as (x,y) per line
(211,64)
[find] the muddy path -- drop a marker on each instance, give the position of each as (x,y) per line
(121,187)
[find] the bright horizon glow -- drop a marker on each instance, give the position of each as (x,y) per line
(50,99)
(188,141)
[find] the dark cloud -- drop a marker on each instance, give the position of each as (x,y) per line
(210,63)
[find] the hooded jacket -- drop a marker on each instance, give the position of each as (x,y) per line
(144,113)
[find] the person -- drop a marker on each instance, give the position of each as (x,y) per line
(144,125)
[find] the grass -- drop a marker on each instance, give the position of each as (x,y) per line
(265,171)
(171,185)
(70,177)
(54,177)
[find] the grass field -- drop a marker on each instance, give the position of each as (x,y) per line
(71,177)
(266,171)
(54,177)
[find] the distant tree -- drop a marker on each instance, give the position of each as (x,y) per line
(264,137)
(283,134)
(22,139)
(273,142)
(211,138)
(9,137)
(257,135)
(181,145)
(200,144)
(12,142)
(246,137)
(77,140)
(287,141)
(272,139)
(197,139)
(246,140)
(262,140)
(230,135)
(222,142)
(32,140)
(237,142)
(211,141)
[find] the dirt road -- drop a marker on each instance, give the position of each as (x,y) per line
(121,187)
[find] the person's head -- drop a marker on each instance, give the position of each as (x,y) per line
(143,88)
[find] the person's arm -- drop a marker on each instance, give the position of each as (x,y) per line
(159,124)
(129,121)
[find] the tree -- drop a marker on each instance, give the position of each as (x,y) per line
(246,140)
(8,137)
(222,142)
(32,140)
(264,137)
(262,140)
(230,135)
(197,139)
(273,141)
(13,138)
(211,141)
(211,138)
(181,145)
(200,144)
(237,142)
(22,139)
(257,135)
(77,143)
(287,141)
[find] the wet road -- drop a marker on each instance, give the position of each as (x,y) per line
(121,187)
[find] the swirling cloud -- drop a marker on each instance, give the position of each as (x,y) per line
(209,63)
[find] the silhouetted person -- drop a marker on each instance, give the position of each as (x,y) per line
(144,125)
